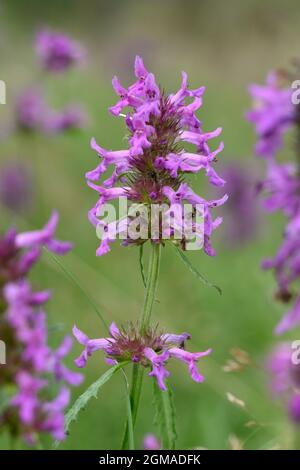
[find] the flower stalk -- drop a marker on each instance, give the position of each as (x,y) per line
(137,371)
(151,286)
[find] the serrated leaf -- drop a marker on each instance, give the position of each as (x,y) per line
(195,271)
(165,416)
(142,265)
(91,392)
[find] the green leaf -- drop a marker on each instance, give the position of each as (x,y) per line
(195,271)
(165,416)
(142,265)
(91,392)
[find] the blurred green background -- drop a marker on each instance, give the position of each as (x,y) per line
(224,46)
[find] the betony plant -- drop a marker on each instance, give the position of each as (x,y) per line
(153,169)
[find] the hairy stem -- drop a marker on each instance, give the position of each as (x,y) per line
(152,281)
(137,371)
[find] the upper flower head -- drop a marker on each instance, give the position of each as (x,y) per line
(150,349)
(56,51)
(153,168)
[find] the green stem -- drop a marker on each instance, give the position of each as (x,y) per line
(137,371)
(129,413)
(152,281)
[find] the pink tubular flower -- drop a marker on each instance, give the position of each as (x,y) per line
(273,114)
(32,364)
(57,52)
(149,350)
(156,163)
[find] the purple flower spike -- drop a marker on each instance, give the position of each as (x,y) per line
(149,350)
(30,110)
(156,163)
(24,330)
(57,52)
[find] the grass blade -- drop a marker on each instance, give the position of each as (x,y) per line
(72,277)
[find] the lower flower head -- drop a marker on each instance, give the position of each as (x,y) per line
(150,349)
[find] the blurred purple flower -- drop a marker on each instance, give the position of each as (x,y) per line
(30,110)
(282,186)
(273,114)
(57,52)
(44,237)
(285,379)
(149,350)
(16,186)
(241,210)
(70,118)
